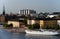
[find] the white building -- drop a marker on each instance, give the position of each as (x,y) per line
(58,22)
(51,16)
(30,22)
(27,12)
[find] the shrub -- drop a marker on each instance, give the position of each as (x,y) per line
(34,26)
(10,25)
(5,25)
(57,27)
(25,21)
(30,27)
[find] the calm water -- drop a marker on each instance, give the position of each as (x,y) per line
(9,35)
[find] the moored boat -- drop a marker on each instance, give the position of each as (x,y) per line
(42,32)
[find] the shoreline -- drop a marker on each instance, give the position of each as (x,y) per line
(14,30)
(18,30)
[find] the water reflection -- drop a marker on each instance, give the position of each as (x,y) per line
(18,36)
(8,35)
(29,36)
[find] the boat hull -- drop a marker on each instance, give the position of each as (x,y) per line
(41,33)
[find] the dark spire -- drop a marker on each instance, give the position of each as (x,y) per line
(3,10)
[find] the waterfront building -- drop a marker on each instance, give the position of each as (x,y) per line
(16,23)
(2,19)
(48,22)
(32,21)
(58,21)
(43,22)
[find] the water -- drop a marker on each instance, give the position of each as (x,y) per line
(8,35)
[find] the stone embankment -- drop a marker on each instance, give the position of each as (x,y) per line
(16,30)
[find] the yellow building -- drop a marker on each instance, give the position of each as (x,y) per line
(49,22)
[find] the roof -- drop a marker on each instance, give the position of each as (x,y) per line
(45,19)
(16,20)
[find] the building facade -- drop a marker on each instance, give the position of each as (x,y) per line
(26,12)
(50,23)
(17,24)
(2,19)
(30,22)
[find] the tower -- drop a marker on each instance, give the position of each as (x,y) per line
(3,10)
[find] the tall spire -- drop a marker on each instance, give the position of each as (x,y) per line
(3,10)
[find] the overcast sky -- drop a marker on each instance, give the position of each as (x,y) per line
(38,5)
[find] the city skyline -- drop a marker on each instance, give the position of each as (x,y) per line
(38,5)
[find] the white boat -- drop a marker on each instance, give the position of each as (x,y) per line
(42,32)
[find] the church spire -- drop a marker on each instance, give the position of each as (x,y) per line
(3,10)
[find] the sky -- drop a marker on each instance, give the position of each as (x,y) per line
(38,5)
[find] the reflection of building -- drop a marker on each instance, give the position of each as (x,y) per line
(26,12)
